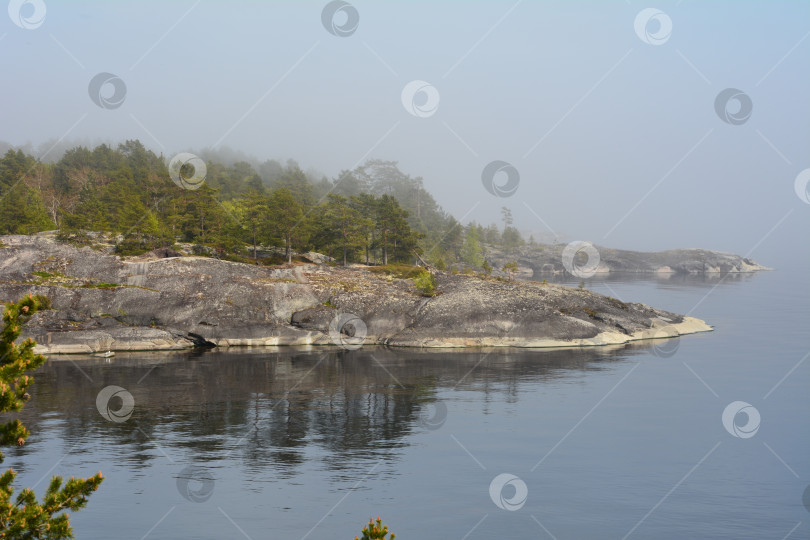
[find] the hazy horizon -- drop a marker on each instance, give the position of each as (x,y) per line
(616,140)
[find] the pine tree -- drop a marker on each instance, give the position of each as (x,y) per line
(286,215)
(365,205)
(21,207)
(376,531)
(26,517)
(345,222)
(253,213)
(296,183)
(471,251)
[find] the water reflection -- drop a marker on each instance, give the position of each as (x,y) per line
(271,407)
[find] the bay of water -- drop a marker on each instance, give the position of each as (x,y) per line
(626,442)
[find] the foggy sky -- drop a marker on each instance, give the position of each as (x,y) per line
(616,140)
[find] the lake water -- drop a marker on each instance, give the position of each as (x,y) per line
(604,443)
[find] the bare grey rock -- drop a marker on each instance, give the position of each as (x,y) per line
(102,302)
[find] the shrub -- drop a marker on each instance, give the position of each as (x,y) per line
(426,283)
(200,250)
(511,267)
(77,238)
(131,246)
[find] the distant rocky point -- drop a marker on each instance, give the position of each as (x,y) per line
(538,262)
(101,302)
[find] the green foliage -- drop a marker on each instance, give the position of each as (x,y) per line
(394,235)
(581,284)
(492,235)
(376,531)
(61,280)
(487,268)
(449,245)
(471,250)
(373,213)
(511,239)
(341,224)
(426,283)
(510,267)
(287,214)
(22,210)
(252,213)
(78,238)
(26,517)
(100,285)
(295,182)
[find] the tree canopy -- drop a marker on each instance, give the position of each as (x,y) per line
(373,213)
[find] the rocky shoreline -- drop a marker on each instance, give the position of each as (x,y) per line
(101,302)
(544,261)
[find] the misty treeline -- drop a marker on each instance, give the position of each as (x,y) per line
(374,213)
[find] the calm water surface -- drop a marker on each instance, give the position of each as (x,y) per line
(292,444)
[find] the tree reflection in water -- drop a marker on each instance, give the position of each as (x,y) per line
(280,407)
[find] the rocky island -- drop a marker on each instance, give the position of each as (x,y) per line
(538,262)
(102,302)
(186,259)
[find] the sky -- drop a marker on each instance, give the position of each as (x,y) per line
(604,112)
